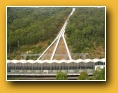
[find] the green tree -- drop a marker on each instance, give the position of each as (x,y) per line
(99,74)
(61,76)
(83,76)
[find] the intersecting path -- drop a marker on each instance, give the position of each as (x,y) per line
(57,40)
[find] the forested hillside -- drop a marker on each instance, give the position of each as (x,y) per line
(86,31)
(32,29)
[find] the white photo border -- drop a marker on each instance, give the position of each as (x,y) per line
(56,6)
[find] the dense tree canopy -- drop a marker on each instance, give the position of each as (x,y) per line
(28,26)
(86,31)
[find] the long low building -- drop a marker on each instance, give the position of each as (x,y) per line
(50,67)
